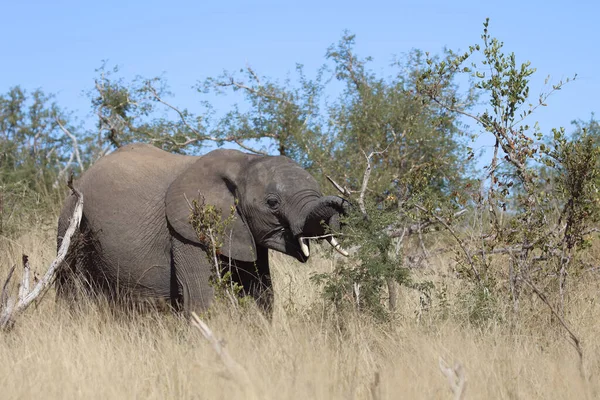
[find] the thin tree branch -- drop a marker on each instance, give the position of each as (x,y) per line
(574,339)
(414,228)
(75,143)
(201,136)
(460,243)
(343,190)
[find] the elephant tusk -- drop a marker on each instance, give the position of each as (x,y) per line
(304,247)
(334,243)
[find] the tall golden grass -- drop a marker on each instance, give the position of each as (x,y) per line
(306,352)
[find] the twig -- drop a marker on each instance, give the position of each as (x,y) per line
(343,190)
(75,143)
(260,92)
(459,241)
(456,378)
(200,136)
(414,228)
(4,297)
(237,372)
(574,339)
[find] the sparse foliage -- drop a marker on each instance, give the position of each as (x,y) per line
(212,229)
(521,221)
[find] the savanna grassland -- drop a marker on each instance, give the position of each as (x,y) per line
(473,274)
(308,351)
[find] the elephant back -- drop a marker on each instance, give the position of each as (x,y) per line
(124,208)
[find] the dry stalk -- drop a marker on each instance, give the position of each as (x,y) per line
(4,298)
(236,371)
(574,339)
(460,243)
(9,308)
(456,378)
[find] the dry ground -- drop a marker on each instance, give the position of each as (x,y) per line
(303,354)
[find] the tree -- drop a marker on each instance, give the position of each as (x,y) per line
(37,149)
(541,241)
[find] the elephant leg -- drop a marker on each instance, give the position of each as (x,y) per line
(262,290)
(192,272)
(256,281)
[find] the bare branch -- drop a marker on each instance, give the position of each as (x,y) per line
(460,243)
(365,182)
(366,176)
(75,143)
(24,288)
(414,228)
(245,147)
(574,339)
(343,190)
(456,378)
(237,372)
(181,115)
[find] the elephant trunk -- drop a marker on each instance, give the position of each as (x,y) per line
(328,210)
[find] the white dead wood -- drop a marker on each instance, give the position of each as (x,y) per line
(236,371)
(343,190)
(456,378)
(9,308)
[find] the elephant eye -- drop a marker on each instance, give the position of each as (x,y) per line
(273,202)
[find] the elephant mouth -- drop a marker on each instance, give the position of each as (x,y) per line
(302,241)
(298,246)
(293,238)
(326,211)
(284,241)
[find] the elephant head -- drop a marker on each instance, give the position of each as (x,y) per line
(278,204)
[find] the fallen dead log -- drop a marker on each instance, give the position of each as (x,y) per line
(11,308)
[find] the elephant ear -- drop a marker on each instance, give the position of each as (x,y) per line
(210,180)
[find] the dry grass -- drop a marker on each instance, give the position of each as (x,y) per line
(305,353)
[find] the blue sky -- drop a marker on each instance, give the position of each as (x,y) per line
(57,45)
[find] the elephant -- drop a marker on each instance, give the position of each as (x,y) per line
(135,239)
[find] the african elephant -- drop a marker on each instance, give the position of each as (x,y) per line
(135,236)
